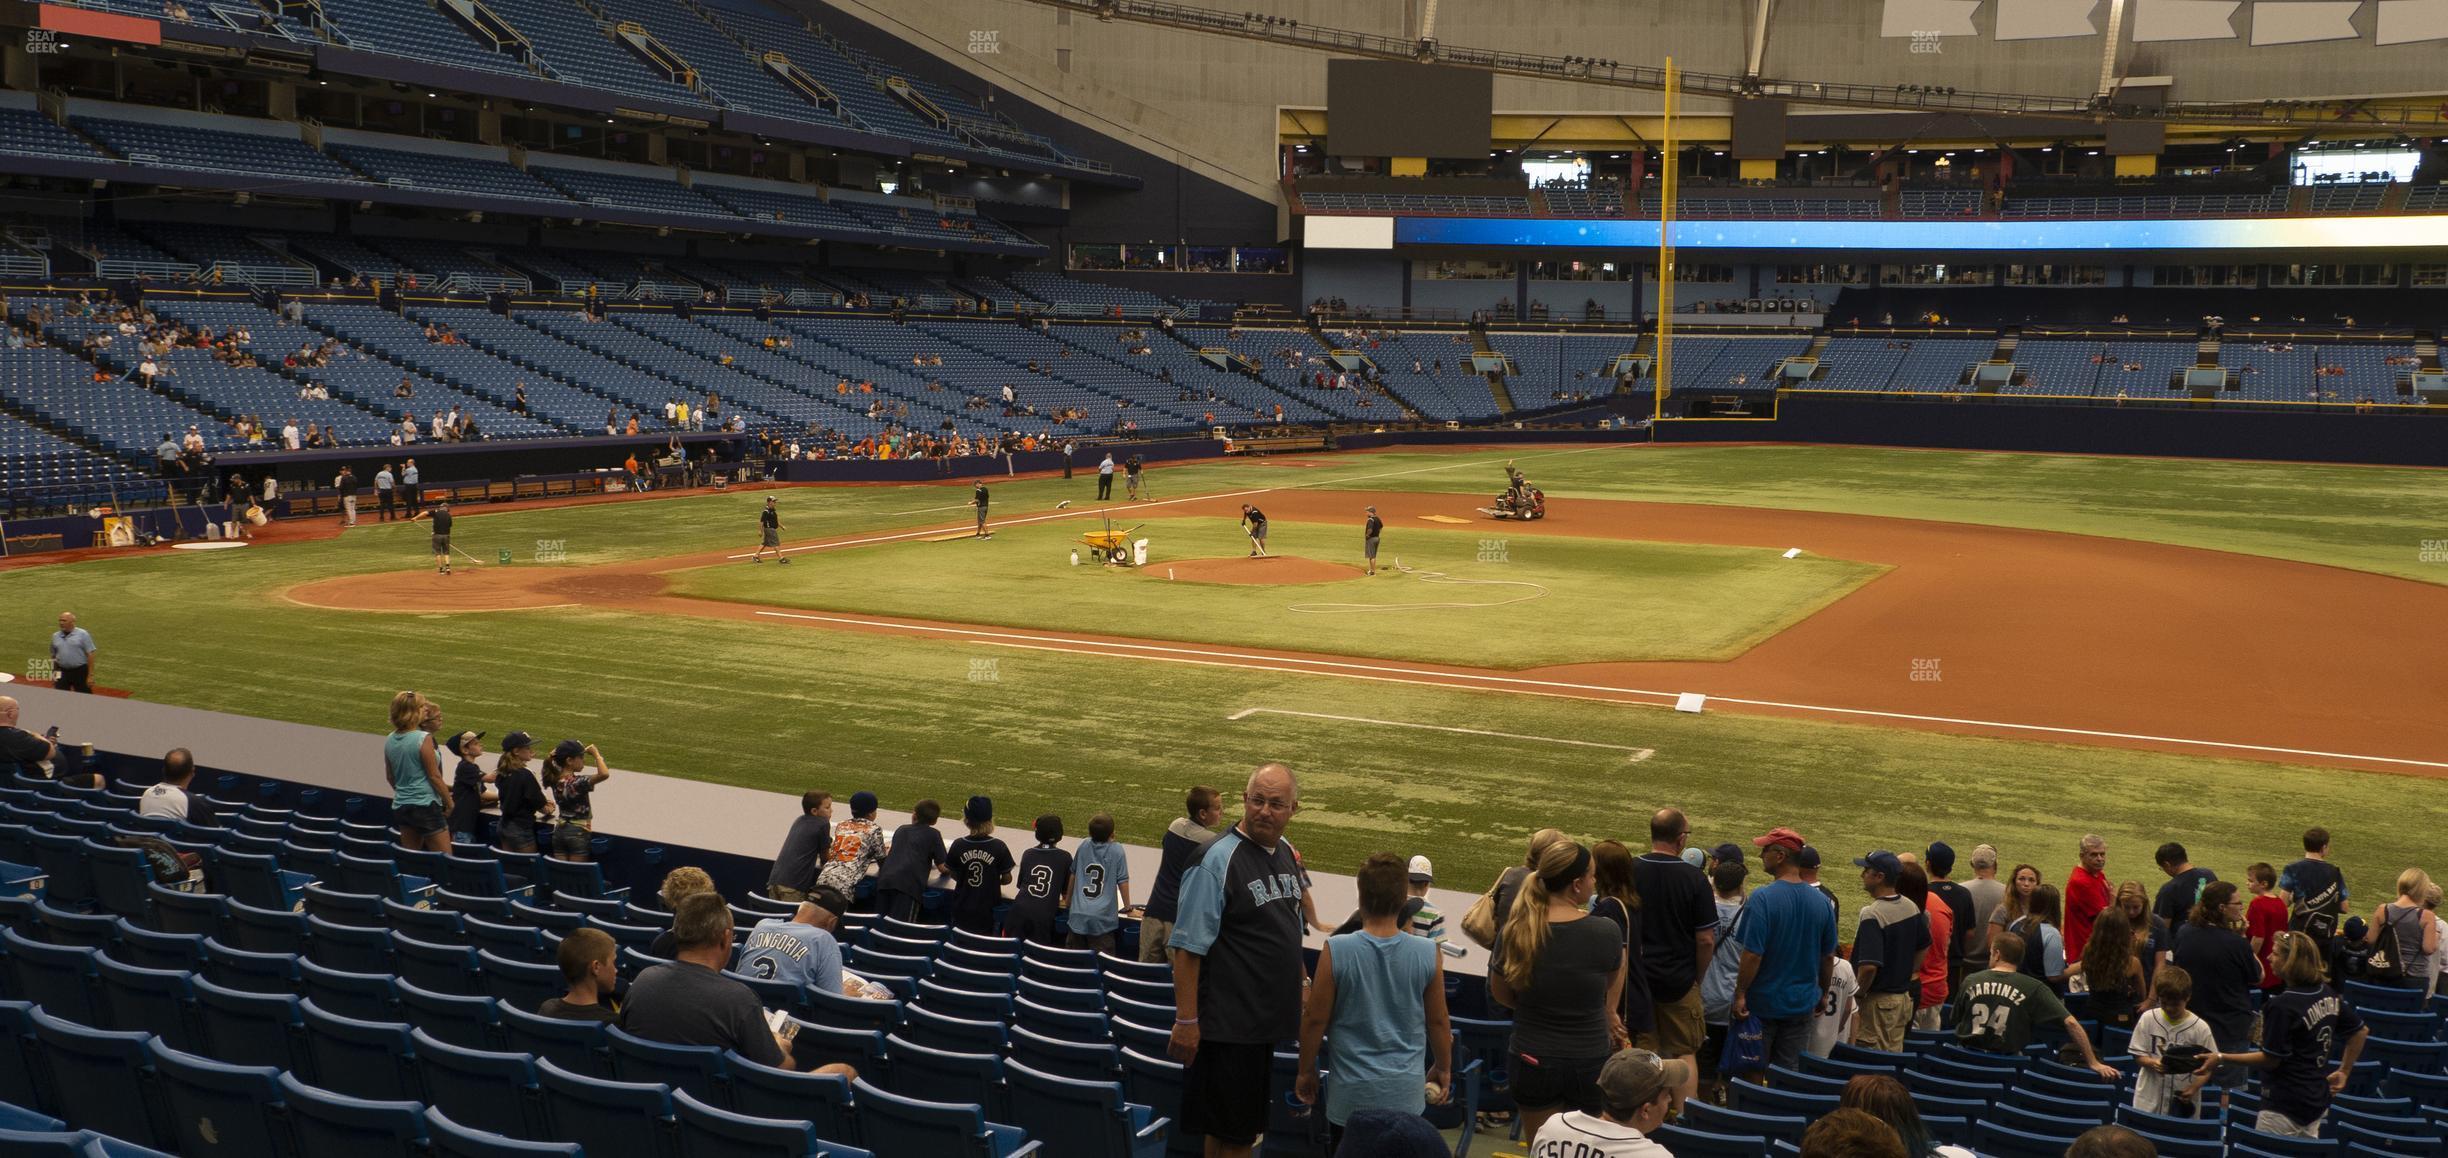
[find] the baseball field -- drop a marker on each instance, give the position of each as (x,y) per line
(1976,647)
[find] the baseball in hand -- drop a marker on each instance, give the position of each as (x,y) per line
(1436,1094)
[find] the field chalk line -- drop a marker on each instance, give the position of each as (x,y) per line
(1144,505)
(1522,685)
(1637,754)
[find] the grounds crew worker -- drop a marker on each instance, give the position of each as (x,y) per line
(1253,520)
(769,522)
(440,513)
(978,500)
(1368,538)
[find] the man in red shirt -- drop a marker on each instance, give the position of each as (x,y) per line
(2087,891)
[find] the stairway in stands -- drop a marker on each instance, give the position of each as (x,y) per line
(1495,378)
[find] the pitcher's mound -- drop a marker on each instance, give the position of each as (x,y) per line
(1274,569)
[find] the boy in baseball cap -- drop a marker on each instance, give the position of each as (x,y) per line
(981,865)
(1636,1090)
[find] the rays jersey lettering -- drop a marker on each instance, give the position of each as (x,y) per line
(1280,887)
(1092,881)
(1039,881)
(975,864)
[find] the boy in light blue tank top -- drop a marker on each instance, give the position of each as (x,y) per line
(1380,995)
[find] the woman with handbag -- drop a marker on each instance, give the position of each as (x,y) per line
(2416,934)
(1618,901)
(1563,977)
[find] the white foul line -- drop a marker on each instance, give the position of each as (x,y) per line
(1143,505)
(1527,686)
(1638,754)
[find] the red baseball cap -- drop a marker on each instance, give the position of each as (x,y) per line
(1781,837)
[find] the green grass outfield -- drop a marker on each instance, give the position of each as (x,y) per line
(1619,600)
(791,708)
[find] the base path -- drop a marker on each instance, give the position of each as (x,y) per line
(1982,630)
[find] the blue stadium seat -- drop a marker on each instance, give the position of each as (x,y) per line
(2383,1057)
(243,1028)
(577,879)
(175,911)
(18,1083)
(1154,1040)
(948,1076)
(713,1132)
(156,1001)
(22,1119)
(1753,1098)
(323,1122)
(1700,1115)
(2421,1026)
(937,1030)
(2251,1142)
(853,1012)
(438,967)
(510,941)
(576,1046)
(481,1088)
(2364,995)
(467,1021)
(121,879)
(627,935)
(2168,1126)
(1080,1000)
(524,984)
(1089,1118)
(254,878)
(1795,1081)
(452,1140)
(611,1119)
(954,955)
(763,1091)
(821,1045)
(365,996)
(2357,1133)
(494,906)
(256,930)
(1071,1022)
(1685,1141)
(61,857)
(59,978)
(549,920)
(361,1059)
(425,923)
(348,947)
(698,1069)
(1998,1141)
(1156,1080)
(254,972)
(1077,1060)
(59,926)
(87,1071)
(215,1108)
(891,1124)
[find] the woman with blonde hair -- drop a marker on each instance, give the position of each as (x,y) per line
(2417,935)
(1509,884)
(678,885)
(2301,1027)
(414,769)
(1563,977)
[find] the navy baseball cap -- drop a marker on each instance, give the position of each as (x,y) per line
(1882,862)
(1808,858)
(515,741)
(1940,858)
(862,804)
(980,808)
(461,738)
(568,748)
(1727,853)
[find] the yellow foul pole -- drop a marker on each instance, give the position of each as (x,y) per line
(1661,371)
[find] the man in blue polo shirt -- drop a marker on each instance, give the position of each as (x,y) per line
(1788,938)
